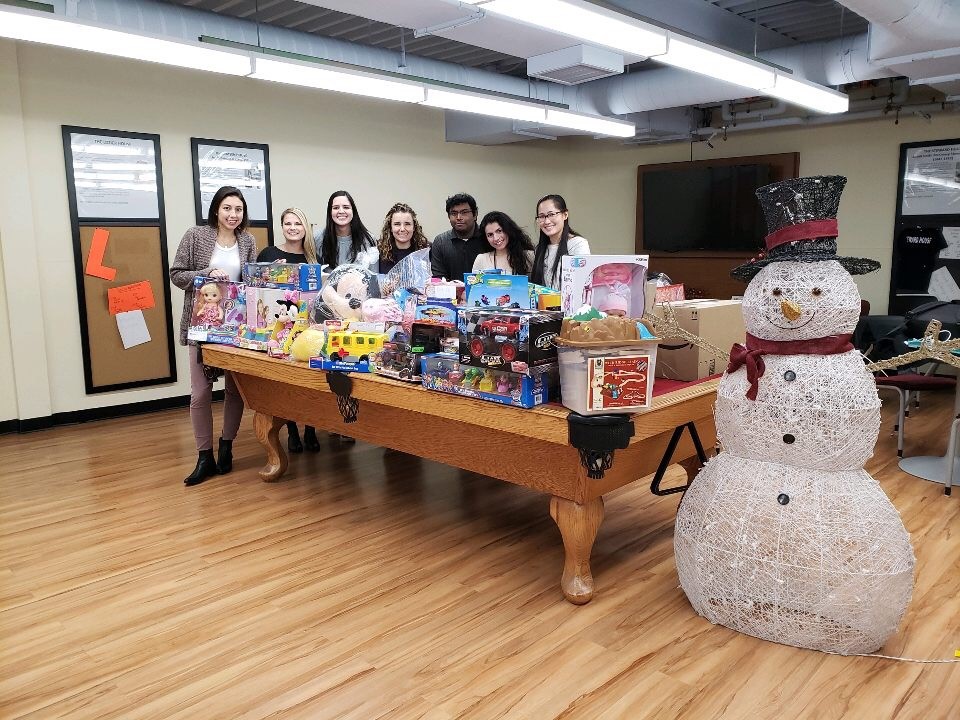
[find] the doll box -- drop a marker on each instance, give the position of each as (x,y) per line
(613,284)
(507,338)
(496,290)
(445,373)
(219,309)
(266,305)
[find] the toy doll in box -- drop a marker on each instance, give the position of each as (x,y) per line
(219,305)
(613,284)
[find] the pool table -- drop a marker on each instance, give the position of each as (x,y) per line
(526,447)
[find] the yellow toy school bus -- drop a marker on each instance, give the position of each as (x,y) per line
(353,346)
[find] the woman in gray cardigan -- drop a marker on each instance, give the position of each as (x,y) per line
(216,250)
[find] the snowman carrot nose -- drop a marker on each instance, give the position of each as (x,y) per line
(790,310)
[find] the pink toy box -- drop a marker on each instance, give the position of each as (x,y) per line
(613,284)
(219,309)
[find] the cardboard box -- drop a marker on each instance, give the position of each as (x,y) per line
(507,338)
(719,322)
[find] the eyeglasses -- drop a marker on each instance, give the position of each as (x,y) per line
(548,216)
(460,213)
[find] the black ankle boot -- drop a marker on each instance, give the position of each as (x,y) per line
(206,467)
(293,438)
(310,439)
(225,456)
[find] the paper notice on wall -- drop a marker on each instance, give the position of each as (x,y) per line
(136,296)
(943,286)
(133,328)
(952,250)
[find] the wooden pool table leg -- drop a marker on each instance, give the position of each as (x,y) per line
(578,526)
(267,428)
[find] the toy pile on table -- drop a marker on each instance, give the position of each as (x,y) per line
(492,337)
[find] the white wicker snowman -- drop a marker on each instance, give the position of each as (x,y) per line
(783,535)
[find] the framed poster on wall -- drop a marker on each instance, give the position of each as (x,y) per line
(245,166)
(115,195)
(926,243)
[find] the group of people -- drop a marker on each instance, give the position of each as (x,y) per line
(220,249)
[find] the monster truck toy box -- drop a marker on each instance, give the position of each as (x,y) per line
(513,339)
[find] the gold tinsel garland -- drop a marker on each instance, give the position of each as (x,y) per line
(932,348)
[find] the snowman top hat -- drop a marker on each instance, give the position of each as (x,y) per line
(801,216)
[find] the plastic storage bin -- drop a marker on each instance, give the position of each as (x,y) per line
(605,380)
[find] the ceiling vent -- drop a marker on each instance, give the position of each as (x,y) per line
(574,65)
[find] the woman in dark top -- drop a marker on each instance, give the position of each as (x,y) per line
(293,249)
(400,236)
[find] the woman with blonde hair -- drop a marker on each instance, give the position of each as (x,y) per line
(294,249)
(400,236)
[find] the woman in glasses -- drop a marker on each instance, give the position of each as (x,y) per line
(557,238)
(511,250)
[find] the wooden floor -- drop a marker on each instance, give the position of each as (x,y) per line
(375,585)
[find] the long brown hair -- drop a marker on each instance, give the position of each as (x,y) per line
(537,275)
(385,243)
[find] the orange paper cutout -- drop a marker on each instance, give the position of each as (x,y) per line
(98,246)
(136,296)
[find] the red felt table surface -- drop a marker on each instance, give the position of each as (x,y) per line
(662,386)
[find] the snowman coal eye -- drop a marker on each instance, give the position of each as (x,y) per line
(776,292)
(816,292)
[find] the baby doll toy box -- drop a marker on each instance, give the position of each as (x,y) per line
(507,338)
(219,309)
(613,284)
(606,365)
(445,372)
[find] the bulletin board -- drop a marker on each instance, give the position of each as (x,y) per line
(115,193)
(925,264)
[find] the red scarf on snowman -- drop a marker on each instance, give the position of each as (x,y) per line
(752,354)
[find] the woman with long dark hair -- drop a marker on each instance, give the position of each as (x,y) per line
(557,239)
(511,248)
(344,239)
(217,250)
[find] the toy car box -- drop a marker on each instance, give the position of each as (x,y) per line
(496,290)
(613,284)
(287,276)
(400,356)
(445,373)
(219,309)
(440,311)
(507,338)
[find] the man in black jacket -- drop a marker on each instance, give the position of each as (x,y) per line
(452,252)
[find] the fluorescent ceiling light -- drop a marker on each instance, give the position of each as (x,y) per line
(484,105)
(336,80)
(49,29)
(704,59)
(591,23)
(809,95)
(590,123)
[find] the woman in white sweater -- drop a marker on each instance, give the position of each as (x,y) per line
(557,239)
(512,248)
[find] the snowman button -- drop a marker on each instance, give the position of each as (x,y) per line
(789,439)
(789,376)
(783,498)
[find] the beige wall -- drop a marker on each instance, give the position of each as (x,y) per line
(319,142)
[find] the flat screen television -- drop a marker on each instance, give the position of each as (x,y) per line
(704,206)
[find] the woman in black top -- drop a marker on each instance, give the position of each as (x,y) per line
(400,236)
(293,249)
